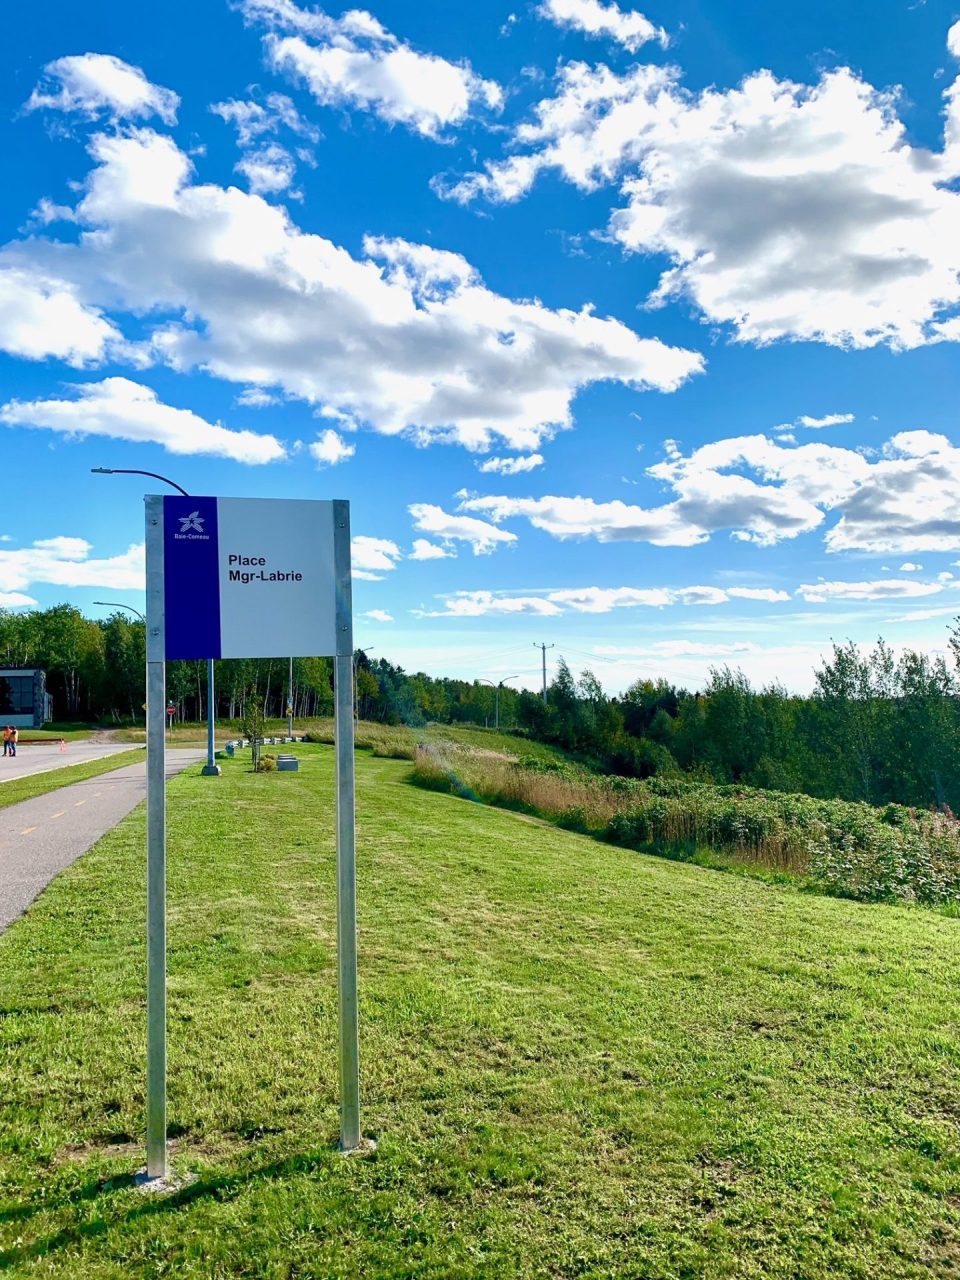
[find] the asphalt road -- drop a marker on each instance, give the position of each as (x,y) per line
(46,756)
(41,837)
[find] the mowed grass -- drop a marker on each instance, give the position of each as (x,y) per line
(576,1061)
(53,732)
(13,790)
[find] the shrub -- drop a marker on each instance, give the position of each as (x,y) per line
(844,848)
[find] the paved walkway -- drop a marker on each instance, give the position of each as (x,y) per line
(43,757)
(39,838)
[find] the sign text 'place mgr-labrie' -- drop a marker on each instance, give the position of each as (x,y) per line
(248,578)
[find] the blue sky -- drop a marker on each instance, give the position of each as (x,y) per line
(683,279)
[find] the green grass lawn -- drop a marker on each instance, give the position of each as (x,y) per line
(14,790)
(577,1061)
(53,732)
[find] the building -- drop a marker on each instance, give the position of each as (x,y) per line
(24,700)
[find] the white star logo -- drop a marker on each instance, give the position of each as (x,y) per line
(193,521)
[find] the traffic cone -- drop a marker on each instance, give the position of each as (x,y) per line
(63,745)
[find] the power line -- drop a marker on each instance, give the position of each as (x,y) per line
(594,657)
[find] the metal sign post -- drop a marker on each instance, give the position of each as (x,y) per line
(239,578)
(156,850)
(346,839)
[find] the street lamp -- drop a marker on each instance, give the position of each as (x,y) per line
(113,604)
(124,471)
(211,769)
(496,689)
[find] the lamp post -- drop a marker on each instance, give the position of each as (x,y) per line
(115,604)
(290,701)
(211,769)
(496,690)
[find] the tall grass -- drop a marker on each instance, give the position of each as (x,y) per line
(842,848)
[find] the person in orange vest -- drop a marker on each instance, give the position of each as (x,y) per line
(6,739)
(14,738)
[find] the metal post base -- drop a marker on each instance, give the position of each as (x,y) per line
(161,1186)
(364,1149)
(211,771)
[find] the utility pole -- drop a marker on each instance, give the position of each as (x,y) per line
(543,649)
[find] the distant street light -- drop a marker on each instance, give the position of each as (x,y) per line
(115,604)
(496,689)
(211,769)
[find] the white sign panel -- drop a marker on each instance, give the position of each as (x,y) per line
(249,578)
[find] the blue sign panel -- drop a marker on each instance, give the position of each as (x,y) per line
(191,571)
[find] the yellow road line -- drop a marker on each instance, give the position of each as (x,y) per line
(79,803)
(27,831)
(58,815)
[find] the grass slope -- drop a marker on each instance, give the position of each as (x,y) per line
(13,790)
(577,1061)
(398,740)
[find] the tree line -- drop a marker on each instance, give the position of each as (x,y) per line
(875,728)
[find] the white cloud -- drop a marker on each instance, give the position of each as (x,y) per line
(907,500)
(372,557)
(268,169)
(41,316)
(512,466)
(378,615)
(596,600)
(406,338)
(66,562)
(256,398)
(424,550)
(92,84)
(253,120)
(785,210)
(124,410)
(830,420)
(482,537)
(886,589)
(767,594)
(909,567)
(15,600)
(924,615)
(593,18)
(331,448)
(603,599)
(476,604)
(358,63)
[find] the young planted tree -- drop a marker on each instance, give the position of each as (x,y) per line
(251,726)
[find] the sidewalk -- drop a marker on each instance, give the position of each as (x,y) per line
(39,838)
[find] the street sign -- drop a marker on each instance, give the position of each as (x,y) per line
(247,578)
